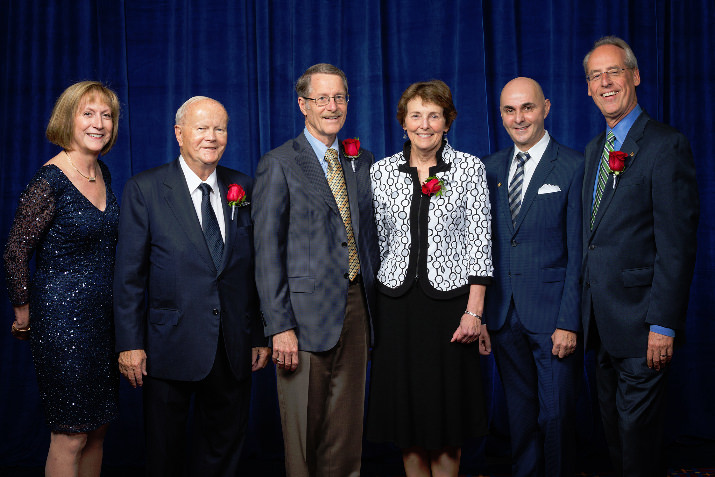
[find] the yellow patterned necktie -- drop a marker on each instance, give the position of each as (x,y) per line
(336,181)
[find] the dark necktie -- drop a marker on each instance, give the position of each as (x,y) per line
(516,185)
(336,181)
(212,232)
(602,174)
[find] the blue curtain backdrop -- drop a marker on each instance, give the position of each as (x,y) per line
(248,54)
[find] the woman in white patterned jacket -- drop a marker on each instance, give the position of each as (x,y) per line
(433,222)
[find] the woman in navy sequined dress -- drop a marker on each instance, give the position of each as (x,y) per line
(68,217)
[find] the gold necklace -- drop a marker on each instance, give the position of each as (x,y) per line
(89,178)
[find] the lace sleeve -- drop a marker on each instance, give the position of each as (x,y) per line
(34,215)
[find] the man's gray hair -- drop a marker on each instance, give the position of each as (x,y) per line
(302,86)
(181,112)
(631,61)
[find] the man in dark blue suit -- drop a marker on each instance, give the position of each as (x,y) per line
(640,217)
(532,308)
(316,258)
(185,303)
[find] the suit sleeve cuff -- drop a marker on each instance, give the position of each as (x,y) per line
(662,330)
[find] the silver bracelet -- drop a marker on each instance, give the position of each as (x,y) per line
(467,312)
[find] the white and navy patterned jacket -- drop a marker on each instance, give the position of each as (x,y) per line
(453,239)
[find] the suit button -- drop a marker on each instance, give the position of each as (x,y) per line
(514,243)
(588,284)
(592,247)
(344,244)
(215,311)
(346,275)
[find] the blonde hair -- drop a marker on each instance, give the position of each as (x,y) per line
(60,128)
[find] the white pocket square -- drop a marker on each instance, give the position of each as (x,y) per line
(548,189)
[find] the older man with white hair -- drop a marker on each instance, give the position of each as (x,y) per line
(185,302)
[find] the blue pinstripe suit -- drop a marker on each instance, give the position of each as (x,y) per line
(536,289)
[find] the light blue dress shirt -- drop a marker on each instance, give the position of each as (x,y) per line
(320,149)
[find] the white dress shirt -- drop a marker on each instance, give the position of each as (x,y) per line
(535,154)
(193,182)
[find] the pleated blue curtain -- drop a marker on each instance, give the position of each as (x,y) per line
(248,54)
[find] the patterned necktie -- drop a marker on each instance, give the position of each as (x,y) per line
(516,185)
(336,181)
(212,232)
(602,174)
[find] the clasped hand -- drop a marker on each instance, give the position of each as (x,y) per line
(470,330)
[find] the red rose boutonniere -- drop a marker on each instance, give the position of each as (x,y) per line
(236,197)
(616,163)
(433,185)
(351,147)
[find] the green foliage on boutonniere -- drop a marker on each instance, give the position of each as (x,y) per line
(351,147)
(433,185)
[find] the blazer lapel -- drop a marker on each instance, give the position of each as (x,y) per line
(227,248)
(503,188)
(308,162)
(542,171)
(178,201)
(351,185)
(630,147)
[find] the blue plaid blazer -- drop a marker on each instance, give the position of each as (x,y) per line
(301,243)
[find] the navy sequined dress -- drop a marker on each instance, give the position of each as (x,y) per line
(70,297)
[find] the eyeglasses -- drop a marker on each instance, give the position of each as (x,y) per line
(325,100)
(611,73)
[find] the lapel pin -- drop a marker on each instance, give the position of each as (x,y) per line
(499,184)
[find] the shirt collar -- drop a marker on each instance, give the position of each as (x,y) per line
(537,150)
(193,181)
(621,129)
(442,164)
(318,147)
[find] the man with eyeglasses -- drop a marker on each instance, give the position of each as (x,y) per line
(316,258)
(640,216)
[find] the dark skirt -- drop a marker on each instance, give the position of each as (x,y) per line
(424,391)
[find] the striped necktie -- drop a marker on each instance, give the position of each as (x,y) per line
(516,185)
(336,181)
(603,170)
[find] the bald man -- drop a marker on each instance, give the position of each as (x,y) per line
(532,307)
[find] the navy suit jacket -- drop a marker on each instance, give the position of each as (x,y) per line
(169,298)
(639,258)
(537,261)
(301,243)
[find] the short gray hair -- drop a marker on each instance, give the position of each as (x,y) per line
(181,112)
(631,61)
(302,86)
